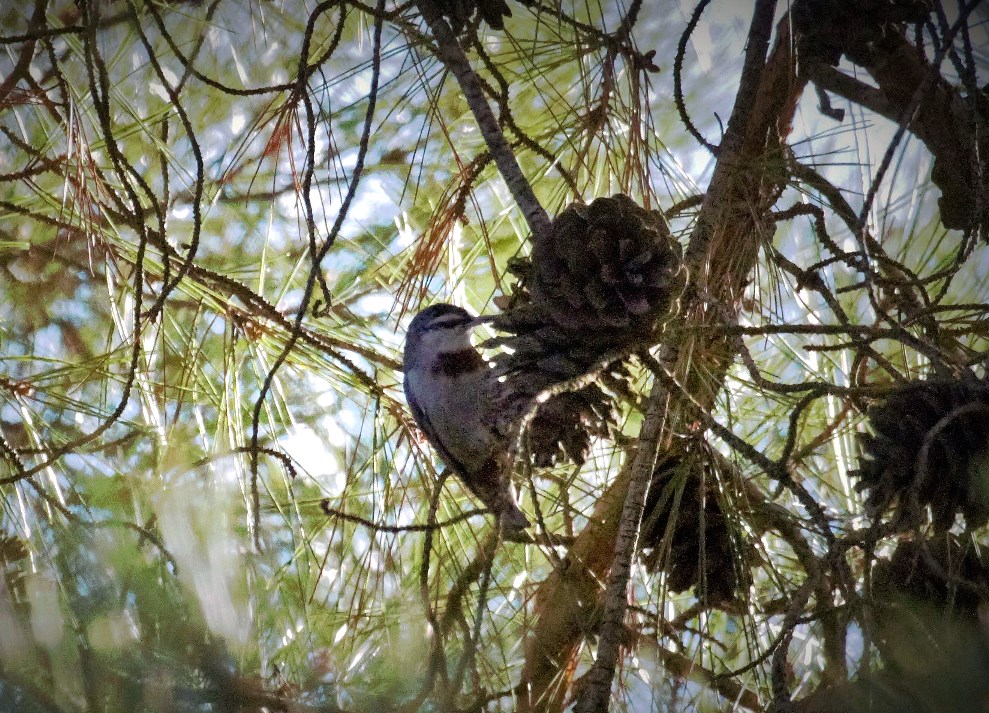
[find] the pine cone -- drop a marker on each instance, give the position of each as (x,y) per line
(949,578)
(826,29)
(562,428)
(930,448)
(926,600)
(603,283)
(610,265)
(684,498)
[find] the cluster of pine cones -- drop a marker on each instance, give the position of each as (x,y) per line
(602,283)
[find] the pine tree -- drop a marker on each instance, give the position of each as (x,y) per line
(738,258)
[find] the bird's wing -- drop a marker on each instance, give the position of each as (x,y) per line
(433,436)
(485,482)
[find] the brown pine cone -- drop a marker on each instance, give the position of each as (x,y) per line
(826,29)
(684,505)
(929,448)
(609,265)
(601,284)
(941,574)
(562,428)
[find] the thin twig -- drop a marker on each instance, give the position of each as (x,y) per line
(316,262)
(329,511)
(678,100)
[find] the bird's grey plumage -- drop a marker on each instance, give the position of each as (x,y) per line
(451,392)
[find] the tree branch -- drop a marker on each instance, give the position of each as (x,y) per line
(594,696)
(453,57)
(721,255)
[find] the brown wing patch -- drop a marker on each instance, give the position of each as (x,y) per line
(453,364)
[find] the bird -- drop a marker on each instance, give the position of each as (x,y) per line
(453,393)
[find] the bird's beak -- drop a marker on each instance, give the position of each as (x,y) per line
(482,319)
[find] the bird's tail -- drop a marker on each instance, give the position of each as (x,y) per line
(487,484)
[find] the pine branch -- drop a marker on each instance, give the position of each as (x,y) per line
(722,253)
(455,59)
(595,696)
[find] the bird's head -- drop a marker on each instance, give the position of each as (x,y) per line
(438,329)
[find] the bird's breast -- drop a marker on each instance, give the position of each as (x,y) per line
(456,401)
